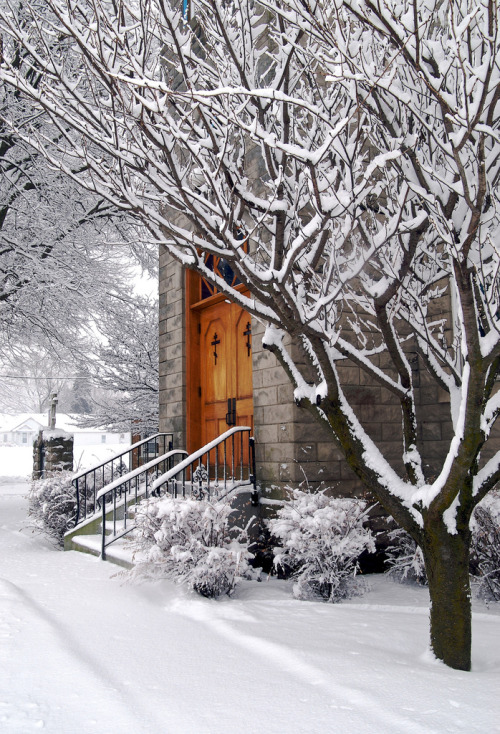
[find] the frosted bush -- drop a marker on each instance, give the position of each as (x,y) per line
(407,563)
(189,541)
(485,546)
(321,540)
(405,559)
(52,505)
(52,501)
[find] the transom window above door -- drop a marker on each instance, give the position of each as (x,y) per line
(220,267)
(223,269)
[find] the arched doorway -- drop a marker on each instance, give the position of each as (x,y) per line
(219,364)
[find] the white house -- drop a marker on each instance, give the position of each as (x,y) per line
(22,429)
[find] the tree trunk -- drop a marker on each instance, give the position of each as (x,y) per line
(447,565)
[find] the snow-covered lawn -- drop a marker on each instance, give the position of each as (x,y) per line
(16,461)
(82,652)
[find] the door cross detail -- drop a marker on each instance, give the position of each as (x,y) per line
(248,334)
(214,344)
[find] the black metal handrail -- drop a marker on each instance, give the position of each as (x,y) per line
(117,497)
(216,469)
(88,482)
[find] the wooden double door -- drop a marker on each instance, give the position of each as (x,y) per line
(225,355)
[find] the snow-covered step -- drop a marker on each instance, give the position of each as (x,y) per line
(120,553)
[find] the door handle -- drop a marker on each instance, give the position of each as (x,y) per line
(231,412)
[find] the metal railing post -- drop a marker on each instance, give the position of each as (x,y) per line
(253,476)
(103,530)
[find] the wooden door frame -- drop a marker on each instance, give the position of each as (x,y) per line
(193,308)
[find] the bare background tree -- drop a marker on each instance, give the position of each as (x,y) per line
(67,259)
(108,379)
(64,252)
(123,366)
(355,148)
(29,376)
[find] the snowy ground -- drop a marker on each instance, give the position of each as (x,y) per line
(82,652)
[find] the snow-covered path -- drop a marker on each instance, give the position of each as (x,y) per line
(83,652)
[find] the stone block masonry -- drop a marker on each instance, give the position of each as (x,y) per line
(172,358)
(52,451)
(291,446)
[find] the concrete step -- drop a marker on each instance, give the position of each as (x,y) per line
(118,553)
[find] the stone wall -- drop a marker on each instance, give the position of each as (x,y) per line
(291,446)
(172,357)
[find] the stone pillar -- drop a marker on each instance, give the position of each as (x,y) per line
(52,451)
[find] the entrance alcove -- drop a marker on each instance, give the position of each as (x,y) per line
(202,395)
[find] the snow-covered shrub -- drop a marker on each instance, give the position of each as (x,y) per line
(189,541)
(322,538)
(52,505)
(405,559)
(52,500)
(407,563)
(485,546)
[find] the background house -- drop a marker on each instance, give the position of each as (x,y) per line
(20,430)
(91,445)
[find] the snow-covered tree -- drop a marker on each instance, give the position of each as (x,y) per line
(343,159)
(56,268)
(30,375)
(110,377)
(80,393)
(57,265)
(123,365)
